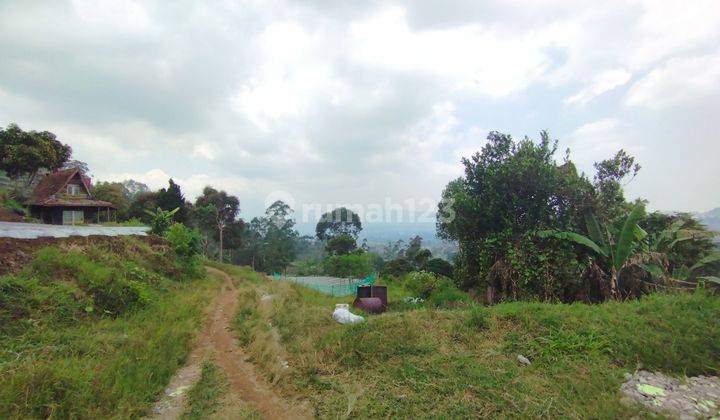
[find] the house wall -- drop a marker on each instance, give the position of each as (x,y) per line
(54,215)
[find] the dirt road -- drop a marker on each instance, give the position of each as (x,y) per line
(217,342)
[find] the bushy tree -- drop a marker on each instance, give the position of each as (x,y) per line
(270,242)
(510,190)
(341,245)
(112,192)
(172,197)
(341,221)
(24,153)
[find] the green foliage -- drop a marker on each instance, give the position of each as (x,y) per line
(438,266)
(437,290)
(270,243)
(462,363)
(110,289)
(351,265)
(511,190)
(186,245)
(342,244)
(160,220)
(172,198)
(89,365)
(113,192)
(203,399)
(27,152)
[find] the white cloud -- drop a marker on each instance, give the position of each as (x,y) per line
(601,83)
(204,150)
(470,57)
(677,81)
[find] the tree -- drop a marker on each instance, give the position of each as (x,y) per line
(132,189)
(338,222)
(142,203)
(509,191)
(609,180)
(216,210)
(439,266)
(24,153)
(279,247)
(172,197)
(112,192)
(341,245)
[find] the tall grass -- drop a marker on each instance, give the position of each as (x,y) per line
(90,333)
(462,362)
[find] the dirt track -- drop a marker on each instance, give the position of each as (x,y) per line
(217,341)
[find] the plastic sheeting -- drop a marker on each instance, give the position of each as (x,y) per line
(34,230)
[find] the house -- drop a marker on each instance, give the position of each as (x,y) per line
(64,198)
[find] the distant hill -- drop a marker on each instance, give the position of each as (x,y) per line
(712,220)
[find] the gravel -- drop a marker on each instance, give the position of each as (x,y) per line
(687,398)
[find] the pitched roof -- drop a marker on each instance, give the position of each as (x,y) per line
(52,183)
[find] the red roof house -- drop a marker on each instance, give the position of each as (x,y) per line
(64,198)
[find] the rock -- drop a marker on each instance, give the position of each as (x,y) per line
(522,359)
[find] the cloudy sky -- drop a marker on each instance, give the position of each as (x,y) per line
(361,102)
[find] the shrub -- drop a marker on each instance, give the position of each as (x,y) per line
(437,290)
(186,245)
(111,290)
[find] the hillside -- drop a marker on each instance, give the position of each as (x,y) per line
(712,220)
(94,328)
(458,363)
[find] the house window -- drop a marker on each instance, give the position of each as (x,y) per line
(73,189)
(73,217)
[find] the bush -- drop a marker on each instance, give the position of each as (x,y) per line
(186,245)
(439,266)
(352,265)
(437,290)
(109,287)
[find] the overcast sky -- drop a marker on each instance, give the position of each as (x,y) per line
(361,102)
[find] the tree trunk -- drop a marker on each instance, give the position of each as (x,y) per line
(614,293)
(221,244)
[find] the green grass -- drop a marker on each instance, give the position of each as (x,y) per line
(203,399)
(461,363)
(210,398)
(77,341)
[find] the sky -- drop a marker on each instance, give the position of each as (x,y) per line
(371,103)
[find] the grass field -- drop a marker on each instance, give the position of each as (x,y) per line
(459,363)
(95,333)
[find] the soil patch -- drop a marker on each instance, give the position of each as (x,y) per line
(218,342)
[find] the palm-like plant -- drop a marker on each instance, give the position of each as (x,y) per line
(614,250)
(161,219)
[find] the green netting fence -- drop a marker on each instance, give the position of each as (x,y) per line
(342,287)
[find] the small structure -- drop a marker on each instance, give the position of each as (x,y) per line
(64,198)
(371,298)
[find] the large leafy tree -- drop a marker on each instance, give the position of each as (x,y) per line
(113,192)
(509,189)
(172,197)
(341,221)
(25,153)
(271,242)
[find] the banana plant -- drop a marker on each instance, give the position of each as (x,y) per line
(161,219)
(614,250)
